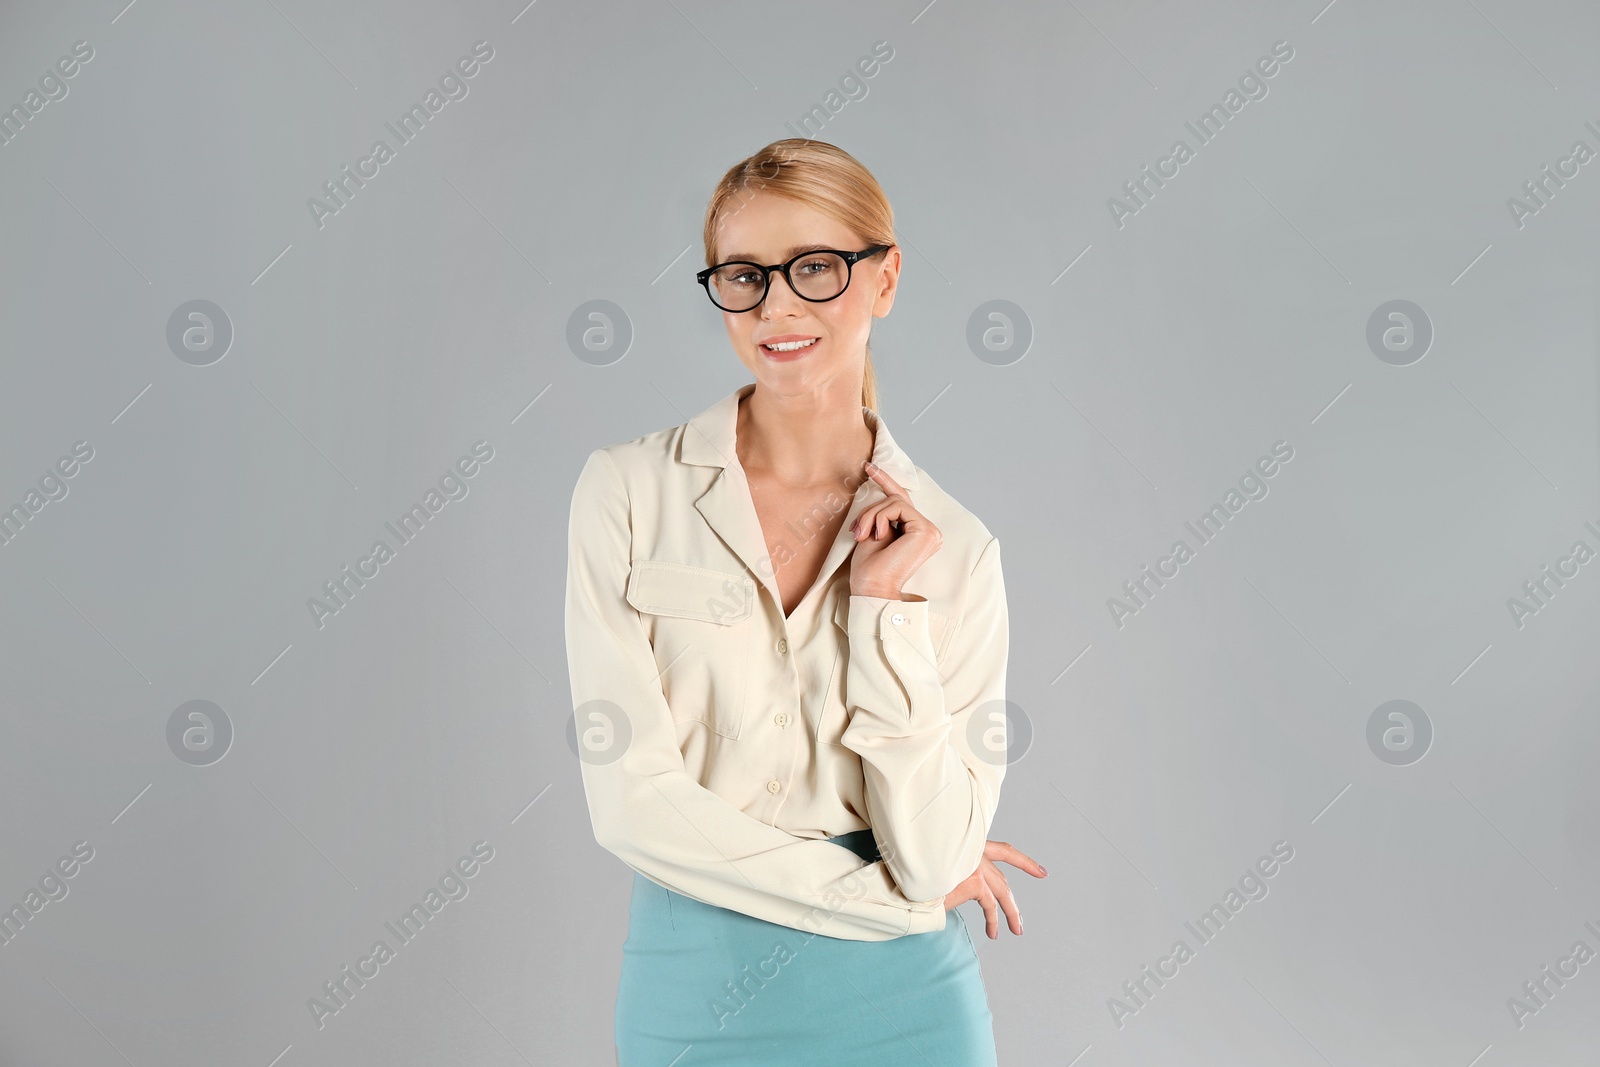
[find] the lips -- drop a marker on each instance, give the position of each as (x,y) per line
(789,342)
(788,354)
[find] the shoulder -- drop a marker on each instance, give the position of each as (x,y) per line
(964,574)
(966,537)
(641,460)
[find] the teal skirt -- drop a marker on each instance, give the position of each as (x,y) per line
(704,986)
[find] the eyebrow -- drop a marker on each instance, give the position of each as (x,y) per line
(745,257)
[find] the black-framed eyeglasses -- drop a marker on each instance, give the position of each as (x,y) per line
(819,275)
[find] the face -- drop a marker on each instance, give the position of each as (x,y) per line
(765,228)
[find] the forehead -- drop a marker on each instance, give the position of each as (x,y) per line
(768,228)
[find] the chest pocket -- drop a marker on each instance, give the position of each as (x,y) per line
(701,624)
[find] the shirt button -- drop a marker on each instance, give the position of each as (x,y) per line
(773,786)
(782,718)
(897,618)
(783,646)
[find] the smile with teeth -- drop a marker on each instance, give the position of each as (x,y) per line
(790,346)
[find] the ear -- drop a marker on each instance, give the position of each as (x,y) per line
(888,283)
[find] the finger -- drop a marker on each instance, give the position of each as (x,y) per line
(863,521)
(991,911)
(889,486)
(1002,850)
(900,511)
(1008,900)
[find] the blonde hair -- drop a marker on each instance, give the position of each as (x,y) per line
(821,176)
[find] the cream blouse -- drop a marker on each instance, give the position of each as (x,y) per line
(722,742)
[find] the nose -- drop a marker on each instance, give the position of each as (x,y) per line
(780,296)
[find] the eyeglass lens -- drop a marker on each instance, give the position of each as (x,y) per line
(818,276)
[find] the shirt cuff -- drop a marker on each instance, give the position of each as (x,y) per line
(922,916)
(892,620)
(926,918)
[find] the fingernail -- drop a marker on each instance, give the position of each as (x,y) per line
(1042,870)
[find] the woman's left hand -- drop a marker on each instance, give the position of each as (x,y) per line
(988,886)
(892,539)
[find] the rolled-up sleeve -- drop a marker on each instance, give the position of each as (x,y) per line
(931,795)
(644,806)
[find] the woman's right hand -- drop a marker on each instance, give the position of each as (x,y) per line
(988,886)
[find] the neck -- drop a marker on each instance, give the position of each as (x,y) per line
(805,439)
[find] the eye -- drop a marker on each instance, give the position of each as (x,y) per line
(740,275)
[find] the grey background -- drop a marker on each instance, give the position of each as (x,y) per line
(368,355)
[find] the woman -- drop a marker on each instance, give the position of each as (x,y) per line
(788,674)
